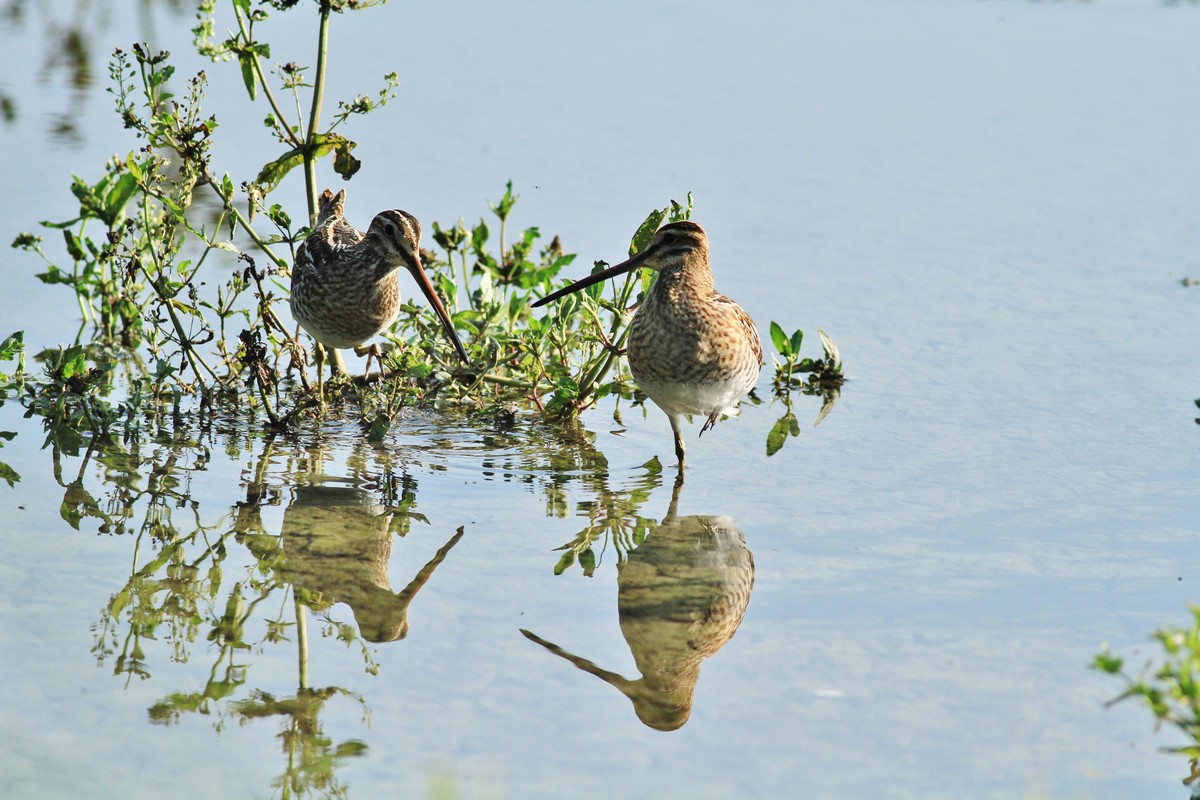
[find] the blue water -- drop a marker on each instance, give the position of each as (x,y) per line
(988,205)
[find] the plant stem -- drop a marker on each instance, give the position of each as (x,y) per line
(515,383)
(314,118)
(245,225)
(466,279)
(262,81)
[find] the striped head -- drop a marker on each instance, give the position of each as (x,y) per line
(673,245)
(397,234)
(678,251)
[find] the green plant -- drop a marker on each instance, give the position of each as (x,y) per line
(826,370)
(142,251)
(824,379)
(137,280)
(11,347)
(1171,691)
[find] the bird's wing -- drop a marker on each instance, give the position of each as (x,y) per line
(325,242)
(749,329)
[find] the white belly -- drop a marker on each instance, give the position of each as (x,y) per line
(697,398)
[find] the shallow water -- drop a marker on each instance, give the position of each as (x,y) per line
(989,206)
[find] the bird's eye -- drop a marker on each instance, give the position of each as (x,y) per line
(670,238)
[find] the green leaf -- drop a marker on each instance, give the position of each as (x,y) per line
(479,237)
(59,225)
(247,62)
(787,424)
(74,246)
(796,340)
(780,339)
(13,344)
(502,208)
(645,231)
(379,428)
(74,362)
(135,169)
(568,558)
(1107,662)
(54,275)
(273,173)
(587,560)
(9,475)
(279,216)
(118,603)
(344,163)
(322,145)
(161,76)
(566,387)
(350,747)
(118,197)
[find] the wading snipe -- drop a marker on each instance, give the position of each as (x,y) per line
(691,349)
(344,282)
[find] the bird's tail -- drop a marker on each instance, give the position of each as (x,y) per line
(331,205)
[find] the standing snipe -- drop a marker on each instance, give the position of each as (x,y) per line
(344,287)
(691,349)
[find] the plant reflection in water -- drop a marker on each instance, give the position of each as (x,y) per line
(682,593)
(332,546)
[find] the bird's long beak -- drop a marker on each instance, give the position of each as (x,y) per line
(631,263)
(418,272)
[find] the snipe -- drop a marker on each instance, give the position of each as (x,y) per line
(692,350)
(344,282)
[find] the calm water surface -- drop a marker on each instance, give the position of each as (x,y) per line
(988,205)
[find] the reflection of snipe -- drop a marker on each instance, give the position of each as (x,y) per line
(336,543)
(681,595)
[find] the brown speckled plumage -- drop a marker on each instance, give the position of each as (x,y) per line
(692,350)
(344,282)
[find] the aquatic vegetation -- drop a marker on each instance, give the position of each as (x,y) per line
(1170,690)
(157,224)
(11,348)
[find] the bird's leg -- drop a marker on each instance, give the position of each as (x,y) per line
(678,437)
(339,366)
(320,375)
(372,351)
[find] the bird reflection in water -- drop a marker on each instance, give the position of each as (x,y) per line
(337,542)
(681,595)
